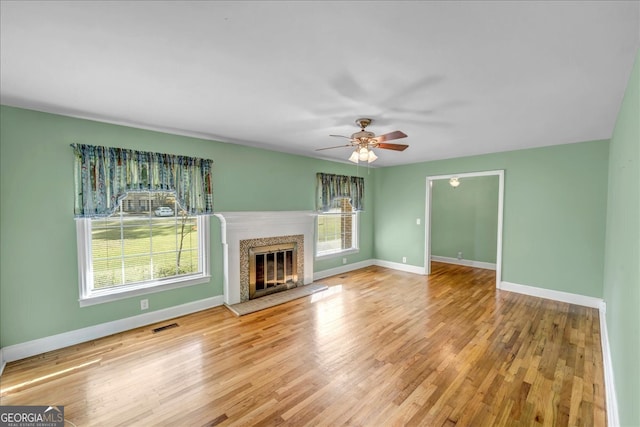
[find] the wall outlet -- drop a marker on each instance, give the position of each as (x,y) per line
(417,221)
(344,260)
(144,304)
(404,259)
(459,255)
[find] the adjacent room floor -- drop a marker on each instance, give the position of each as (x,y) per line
(379,347)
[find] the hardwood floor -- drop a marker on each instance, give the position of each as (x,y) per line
(379,348)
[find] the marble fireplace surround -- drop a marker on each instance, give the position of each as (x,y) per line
(238,226)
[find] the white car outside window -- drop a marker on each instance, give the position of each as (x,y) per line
(164,211)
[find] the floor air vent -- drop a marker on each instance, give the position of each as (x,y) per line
(165,327)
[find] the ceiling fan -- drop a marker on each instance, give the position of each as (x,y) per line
(364,141)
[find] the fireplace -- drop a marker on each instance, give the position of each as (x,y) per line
(272,268)
(242,231)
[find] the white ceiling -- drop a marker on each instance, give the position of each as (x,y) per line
(460,78)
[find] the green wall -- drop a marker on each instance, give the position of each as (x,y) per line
(38,267)
(554,213)
(622,253)
(465,219)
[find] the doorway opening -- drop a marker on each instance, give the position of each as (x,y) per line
(429,207)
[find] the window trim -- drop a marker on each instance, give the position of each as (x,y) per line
(355,237)
(85,272)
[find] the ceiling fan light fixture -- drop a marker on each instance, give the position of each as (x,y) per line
(372,156)
(354,156)
(363,156)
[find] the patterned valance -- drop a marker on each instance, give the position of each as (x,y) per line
(104,175)
(331,187)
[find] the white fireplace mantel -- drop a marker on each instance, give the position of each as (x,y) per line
(237,226)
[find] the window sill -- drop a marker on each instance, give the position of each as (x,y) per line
(101,297)
(337,254)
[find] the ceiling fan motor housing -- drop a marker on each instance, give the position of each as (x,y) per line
(363,135)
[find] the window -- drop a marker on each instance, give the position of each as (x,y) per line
(141,249)
(337,229)
(142,221)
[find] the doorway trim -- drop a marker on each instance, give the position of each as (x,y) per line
(500,174)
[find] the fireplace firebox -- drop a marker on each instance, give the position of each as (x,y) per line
(272,268)
(280,261)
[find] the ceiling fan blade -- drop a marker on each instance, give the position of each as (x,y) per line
(330,148)
(341,136)
(390,136)
(395,147)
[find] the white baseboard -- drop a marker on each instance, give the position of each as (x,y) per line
(416,269)
(551,294)
(362,264)
(466,262)
(2,362)
(342,269)
(613,418)
(65,339)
